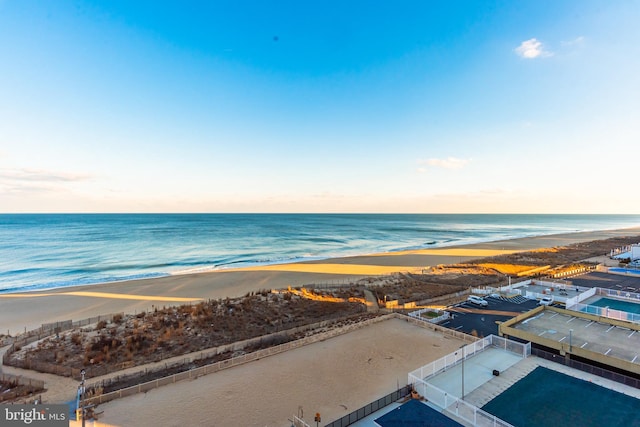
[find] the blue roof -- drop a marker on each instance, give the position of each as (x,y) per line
(415,414)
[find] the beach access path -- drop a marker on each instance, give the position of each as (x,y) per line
(25,311)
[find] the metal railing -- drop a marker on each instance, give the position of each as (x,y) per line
(576,304)
(457,407)
(450,403)
(372,407)
(431,369)
(629,296)
(452,359)
(607,312)
(586,367)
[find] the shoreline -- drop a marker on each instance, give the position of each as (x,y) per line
(461,247)
(28,310)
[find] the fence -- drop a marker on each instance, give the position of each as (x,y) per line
(95,371)
(358,280)
(444,363)
(576,305)
(579,298)
(418,315)
(629,296)
(437,328)
(510,288)
(16,380)
(585,367)
(575,271)
(607,312)
(557,284)
(452,404)
(217,366)
(45,331)
(468,412)
(452,359)
(228,363)
(372,407)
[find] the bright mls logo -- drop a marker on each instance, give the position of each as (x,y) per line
(35,415)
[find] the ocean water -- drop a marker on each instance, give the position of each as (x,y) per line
(41,251)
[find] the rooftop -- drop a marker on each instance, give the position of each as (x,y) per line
(611,342)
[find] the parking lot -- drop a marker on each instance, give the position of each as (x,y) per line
(610,340)
(467,317)
(608,281)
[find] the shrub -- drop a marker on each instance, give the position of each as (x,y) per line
(101,325)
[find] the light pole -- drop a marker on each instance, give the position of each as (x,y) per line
(570,341)
(82,372)
(462,350)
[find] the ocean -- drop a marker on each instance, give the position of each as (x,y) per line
(44,251)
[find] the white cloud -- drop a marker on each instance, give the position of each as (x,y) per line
(31,175)
(448,163)
(532,48)
(578,41)
(19,181)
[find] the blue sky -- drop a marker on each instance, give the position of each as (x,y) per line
(332,106)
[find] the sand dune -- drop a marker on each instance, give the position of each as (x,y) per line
(30,310)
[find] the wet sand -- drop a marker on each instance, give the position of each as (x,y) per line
(30,310)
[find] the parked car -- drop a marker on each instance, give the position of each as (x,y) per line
(474,299)
(546,300)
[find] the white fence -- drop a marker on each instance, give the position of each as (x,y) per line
(468,412)
(452,359)
(556,298)
(559,284)
(450,403)
(607,311)
(579,298)
(418,315)
(629,296)
(510,288)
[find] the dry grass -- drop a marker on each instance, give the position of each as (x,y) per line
(162,333)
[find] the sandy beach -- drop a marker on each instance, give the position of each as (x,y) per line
(29,310)
(332,377)
(347,371)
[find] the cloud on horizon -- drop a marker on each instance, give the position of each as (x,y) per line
(34,181)
(31,175)
(531,49)
(451,163)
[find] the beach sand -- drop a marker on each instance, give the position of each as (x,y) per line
(347,371)
(29,310)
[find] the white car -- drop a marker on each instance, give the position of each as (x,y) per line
(548,300)
(473,299)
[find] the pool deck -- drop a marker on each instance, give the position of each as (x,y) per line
(477,371)
(485,392)
(612,342)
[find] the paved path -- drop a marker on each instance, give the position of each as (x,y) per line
(481,311)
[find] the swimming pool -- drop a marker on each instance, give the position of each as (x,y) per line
(628,271)
(616,304)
